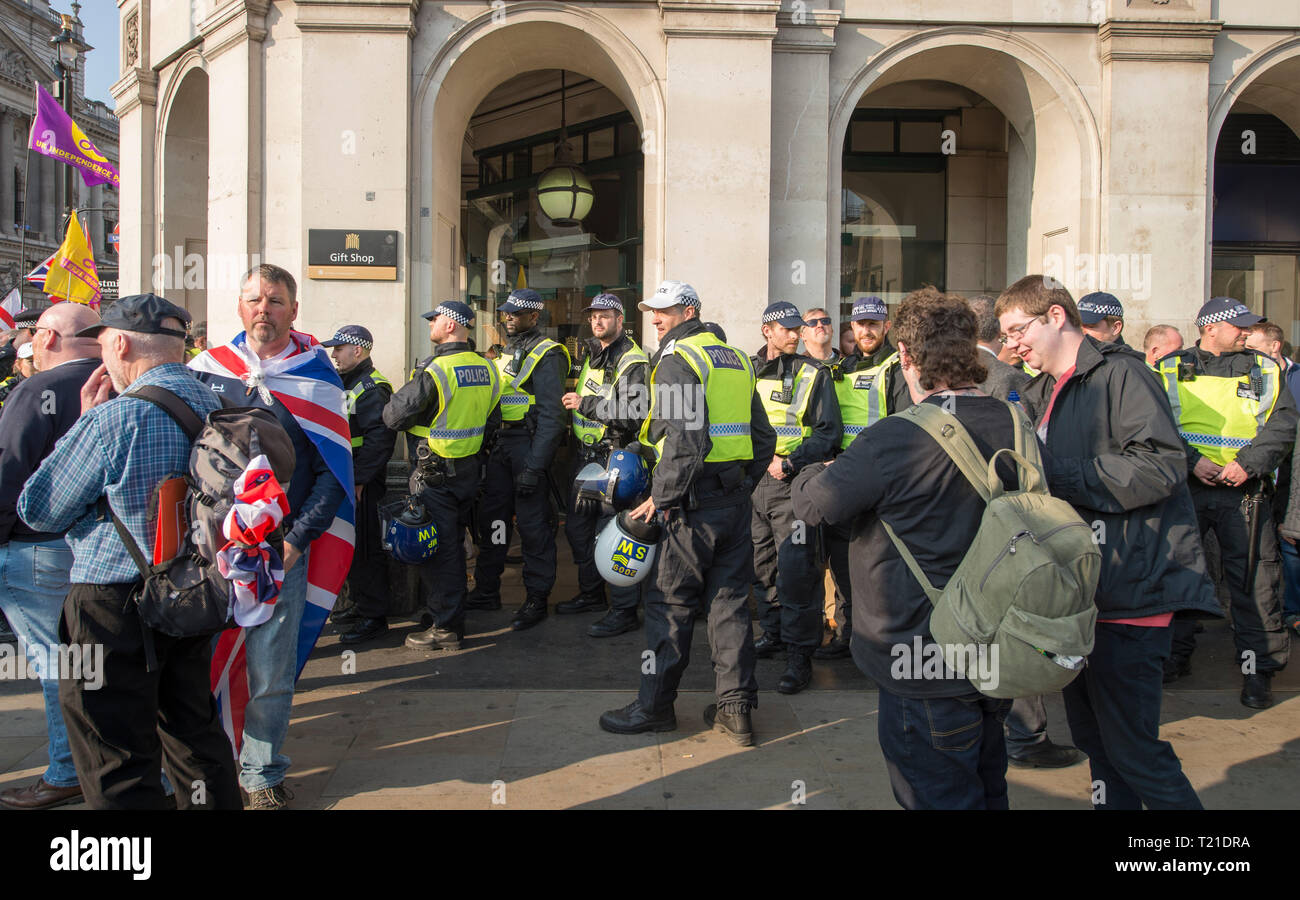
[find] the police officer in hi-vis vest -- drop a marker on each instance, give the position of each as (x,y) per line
(608,408)
(456,399)
(713,444)
(869,385)
(367,392)
(1238,421)
(796,393)
(518,487)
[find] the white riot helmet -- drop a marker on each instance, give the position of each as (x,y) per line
(625,550)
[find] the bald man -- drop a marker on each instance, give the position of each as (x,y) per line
(39,411)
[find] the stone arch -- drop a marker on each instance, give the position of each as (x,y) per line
(469,64)
(181,188)
(1039,99)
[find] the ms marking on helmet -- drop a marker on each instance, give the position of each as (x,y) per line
(628,556)
(472,376)
(929,662)
(724,357)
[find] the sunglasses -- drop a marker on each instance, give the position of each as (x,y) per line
(813,323)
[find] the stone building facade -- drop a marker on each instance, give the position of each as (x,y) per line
(759,149)
(32,190)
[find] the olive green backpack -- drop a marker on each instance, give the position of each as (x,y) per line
(1023,594)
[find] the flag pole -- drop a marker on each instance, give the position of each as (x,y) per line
(22,236)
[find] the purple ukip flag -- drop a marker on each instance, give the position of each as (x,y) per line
(55,134)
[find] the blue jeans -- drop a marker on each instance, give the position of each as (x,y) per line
(272,658)
(1291,571)
(946,752)
(1114,712)
(33,585)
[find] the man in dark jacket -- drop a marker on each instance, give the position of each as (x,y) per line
(367,392)
(35,565)
(1113,452)
(942,740)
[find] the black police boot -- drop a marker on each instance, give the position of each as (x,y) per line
(1046,755)
(531,613)
(632,719)
(1256,691)
(732,721)
(836,648)
(1176,667)
(364,630)
(346,616)
(434,638)
(581,603)
(477,599)
(767,646)
(798,671)
(616,621)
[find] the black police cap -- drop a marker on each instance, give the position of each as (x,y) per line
(141,313)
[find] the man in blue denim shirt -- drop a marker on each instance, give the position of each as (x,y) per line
(128,723)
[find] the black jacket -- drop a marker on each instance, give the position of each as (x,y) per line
(822,413)
(547,421)
(897,396)
(416,402)
(370,460)
(896,473)
(629,394)
(687,442)
(1275,439)
(1114,453)
(40,410)
(314,493)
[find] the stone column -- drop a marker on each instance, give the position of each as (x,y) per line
(718,166)
(7,179)
(801,56)
(136,93)
(1155,90)
(95,201)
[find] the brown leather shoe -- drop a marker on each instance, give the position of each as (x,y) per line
(40,796)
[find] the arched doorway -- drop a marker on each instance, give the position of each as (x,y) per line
(961,162)
(180,265)
(1255,191)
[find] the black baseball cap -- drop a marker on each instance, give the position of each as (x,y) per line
(141,313)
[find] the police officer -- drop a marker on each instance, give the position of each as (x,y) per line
(608,409)
(9,377)
(795,392)
(1238,421)
(518,482)
(713,444)
(456,396)
(1102,316)
(367,392)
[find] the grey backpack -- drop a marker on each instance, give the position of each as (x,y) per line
(187,596)
(1023,594)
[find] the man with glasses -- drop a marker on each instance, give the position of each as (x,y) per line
(819,336)
(35,565)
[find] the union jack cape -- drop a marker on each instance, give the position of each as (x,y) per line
(306,383)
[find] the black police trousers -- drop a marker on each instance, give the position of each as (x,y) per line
(836,538)
(1257,629)
(502,508)
(787,572)
(368,575)
(442,577)
(704,561)
(134,724)
(581,530)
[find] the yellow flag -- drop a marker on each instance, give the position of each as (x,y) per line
(72,274)
(522,281)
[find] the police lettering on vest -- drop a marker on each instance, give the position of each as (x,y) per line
(468,388)
(727,377)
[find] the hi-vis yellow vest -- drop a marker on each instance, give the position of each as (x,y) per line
(515,401)
(352,396)
(1218,415)
(420,432)
(592,382)
(785,400)
(468,389)
(727,376)
(863,401)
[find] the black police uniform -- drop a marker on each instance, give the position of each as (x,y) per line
(787,569)
(446,488)
(1256,617)
(705,558)
(581,527)
(528,446)
(368,577)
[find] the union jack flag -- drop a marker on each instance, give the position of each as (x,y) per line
(37,275)
(308,386)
